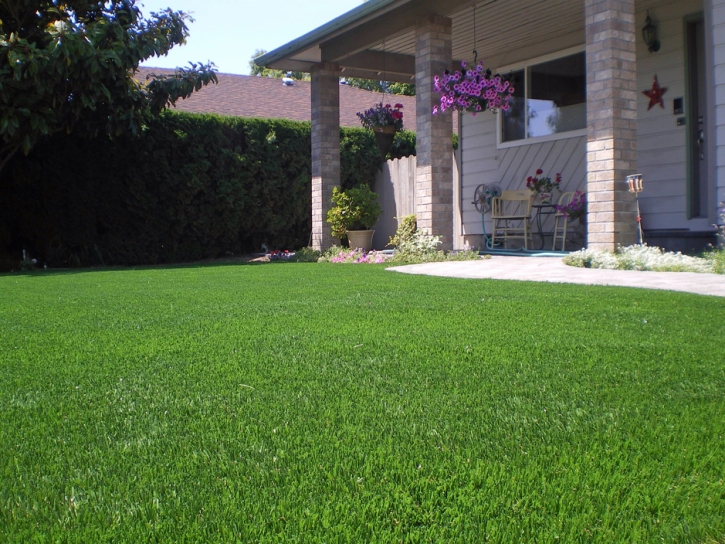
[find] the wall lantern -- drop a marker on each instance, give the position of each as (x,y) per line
(649,33)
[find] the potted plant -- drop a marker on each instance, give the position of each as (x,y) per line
(384,121)
(543,186)
(353,214)
(576,209)
(472,90)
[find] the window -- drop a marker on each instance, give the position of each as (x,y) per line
(549,98)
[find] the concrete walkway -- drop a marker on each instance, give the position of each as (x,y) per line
(552,269)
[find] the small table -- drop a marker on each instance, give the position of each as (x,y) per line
(543,209)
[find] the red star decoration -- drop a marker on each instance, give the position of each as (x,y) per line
(655,95)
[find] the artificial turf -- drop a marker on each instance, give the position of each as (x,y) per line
(341,403)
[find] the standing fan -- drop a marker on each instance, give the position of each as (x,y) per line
(482,198)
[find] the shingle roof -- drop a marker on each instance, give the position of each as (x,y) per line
(252,96)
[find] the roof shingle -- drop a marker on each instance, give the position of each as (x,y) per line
(253,96)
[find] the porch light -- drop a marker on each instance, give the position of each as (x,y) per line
(649,33)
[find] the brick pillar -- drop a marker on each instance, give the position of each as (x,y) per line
(325,148)
(611,122)
(434,172)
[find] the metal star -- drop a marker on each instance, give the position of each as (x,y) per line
(655,95)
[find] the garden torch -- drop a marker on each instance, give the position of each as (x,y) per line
(635,186)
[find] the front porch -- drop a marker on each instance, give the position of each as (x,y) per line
(411,40)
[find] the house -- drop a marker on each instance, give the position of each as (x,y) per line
(581,68)
(252,96)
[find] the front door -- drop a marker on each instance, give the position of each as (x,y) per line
(697,193)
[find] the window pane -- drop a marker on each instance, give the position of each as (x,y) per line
(557,96)
(512,121)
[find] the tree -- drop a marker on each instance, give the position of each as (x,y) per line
(407,89)
(256,70)
(69,66)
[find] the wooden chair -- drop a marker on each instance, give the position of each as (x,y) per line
(561,221)
(511,215)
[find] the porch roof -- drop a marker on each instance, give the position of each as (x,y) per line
(377,39)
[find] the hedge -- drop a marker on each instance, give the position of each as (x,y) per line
(190,187)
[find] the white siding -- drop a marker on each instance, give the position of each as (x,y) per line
(662,152)
(718,38)
(661,144)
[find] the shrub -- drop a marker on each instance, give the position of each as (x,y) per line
(305,255)
(717,254)
(190,187)
(416,246)
(639,257)
(406,230)
(354,209)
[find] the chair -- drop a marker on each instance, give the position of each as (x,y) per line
(511,215)
(561,221)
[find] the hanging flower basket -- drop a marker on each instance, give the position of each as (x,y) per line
(472,90)
(384,137)
(384,121)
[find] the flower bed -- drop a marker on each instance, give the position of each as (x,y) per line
(638,257)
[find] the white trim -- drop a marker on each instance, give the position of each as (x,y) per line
(544,58)
(538,140)
(522,66)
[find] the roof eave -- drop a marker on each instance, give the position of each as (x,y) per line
(322,33)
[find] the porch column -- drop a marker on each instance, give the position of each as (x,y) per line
(325,148)
(434,134)
(611,122)
(717,18)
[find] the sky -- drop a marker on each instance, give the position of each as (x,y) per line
(227,32)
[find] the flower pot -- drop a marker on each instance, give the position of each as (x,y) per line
(384,137)
(545,198)
(360,239)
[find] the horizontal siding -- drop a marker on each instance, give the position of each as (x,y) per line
(662,152)
(661,144)
(718,34)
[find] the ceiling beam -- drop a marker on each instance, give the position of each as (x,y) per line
(381,63)
(368,74)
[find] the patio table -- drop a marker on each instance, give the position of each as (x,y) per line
(539,211)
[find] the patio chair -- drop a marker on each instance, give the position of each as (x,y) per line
(561,221)
(511,215)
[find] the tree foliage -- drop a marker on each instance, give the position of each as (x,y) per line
(256,70)
(68,66)
(407,89)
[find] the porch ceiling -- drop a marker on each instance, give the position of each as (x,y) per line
(380,44)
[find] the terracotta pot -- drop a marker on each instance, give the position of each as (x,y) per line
(360,239)
(384,137)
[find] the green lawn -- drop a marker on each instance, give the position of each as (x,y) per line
(340,403)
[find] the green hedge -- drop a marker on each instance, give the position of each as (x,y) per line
(191,187)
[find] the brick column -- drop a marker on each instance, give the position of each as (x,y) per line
(611,122)
(434,172)
(325,148)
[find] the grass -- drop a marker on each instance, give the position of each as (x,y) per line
(332,403)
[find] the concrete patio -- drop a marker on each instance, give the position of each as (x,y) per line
(553,270)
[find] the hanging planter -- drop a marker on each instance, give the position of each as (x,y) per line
(473,90)
(384,121)
(384,137)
